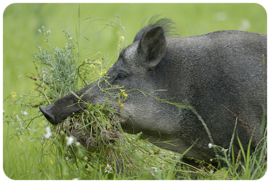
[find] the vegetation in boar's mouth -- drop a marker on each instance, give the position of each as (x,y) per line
(94,127)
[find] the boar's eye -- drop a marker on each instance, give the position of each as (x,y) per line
(121,76)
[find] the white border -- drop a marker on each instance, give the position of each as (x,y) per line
(5,3)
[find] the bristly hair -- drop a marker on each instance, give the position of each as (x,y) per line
(167,24)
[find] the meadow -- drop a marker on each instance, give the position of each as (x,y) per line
(95,33)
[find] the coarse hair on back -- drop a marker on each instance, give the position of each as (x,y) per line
(167,24)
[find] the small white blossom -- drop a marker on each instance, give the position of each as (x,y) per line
(71,38)
(211,171)
(39,30)
(48,31)
(48,133)
(66,158)
(155,170)
(224,150)
(85,158)
(24,112)
(210,145)
(78,143)
(108,168)
(69,140)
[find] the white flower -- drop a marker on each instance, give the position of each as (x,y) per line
(71,38)
(24,112)
(48,132)
(155,170)
(48,31)
(210,145)
(108,168)
(39,30)
(66,158)
(86,158)
(211,171)
(75,179)
(78,143)
(224,150)
(3,111)
(69,140)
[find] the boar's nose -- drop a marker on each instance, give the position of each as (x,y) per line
(47,113)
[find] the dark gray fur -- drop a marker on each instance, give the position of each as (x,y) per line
(220,74)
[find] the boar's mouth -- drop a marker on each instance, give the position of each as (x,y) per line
(54,115)
(47,114)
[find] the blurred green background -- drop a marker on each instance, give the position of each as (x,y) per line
(21,22)
(21,39)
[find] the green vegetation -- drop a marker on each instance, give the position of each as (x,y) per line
(51,50)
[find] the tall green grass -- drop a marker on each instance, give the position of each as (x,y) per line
(29,155)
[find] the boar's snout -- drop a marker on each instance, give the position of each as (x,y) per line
(47,113)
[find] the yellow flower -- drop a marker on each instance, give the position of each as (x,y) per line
(42,123)
(32,90)
(102,166)
(92,66)
(98,62)
(93,154)
(51,161)
(161,166)
(121,38)
(120,103)
(13,95)
(123,93)
(103,72)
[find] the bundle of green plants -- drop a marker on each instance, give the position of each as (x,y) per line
(90,144)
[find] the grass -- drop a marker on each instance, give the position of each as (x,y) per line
(27,154)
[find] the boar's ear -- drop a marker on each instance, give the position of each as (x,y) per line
(153,46)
